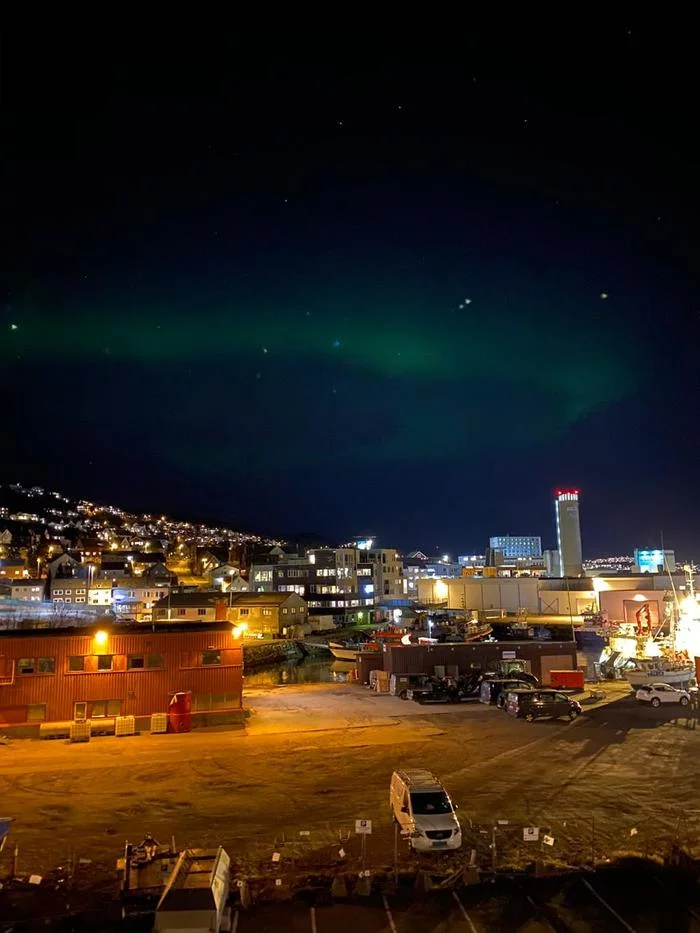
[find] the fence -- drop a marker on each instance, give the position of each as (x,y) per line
(316,851)
(560,839)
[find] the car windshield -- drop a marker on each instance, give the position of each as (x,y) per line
(429,803)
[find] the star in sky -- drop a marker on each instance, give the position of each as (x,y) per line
(336,344)
(603,296)
(14,327)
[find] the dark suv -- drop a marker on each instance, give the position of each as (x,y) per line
(537,704)
(496,690)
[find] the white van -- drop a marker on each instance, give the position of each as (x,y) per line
(423,809)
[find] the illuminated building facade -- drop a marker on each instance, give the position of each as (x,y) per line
(566,510)
(514,546)
(654,560)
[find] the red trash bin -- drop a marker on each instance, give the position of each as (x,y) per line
(180,712)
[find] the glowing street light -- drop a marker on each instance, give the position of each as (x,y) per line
(101,637)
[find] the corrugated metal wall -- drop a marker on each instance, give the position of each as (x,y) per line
(141,691)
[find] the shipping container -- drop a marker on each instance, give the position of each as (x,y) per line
(567,680)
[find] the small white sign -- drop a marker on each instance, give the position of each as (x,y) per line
(35,879)
(304,832)
(363,827)
(275,856)
(634,831)
(531,833)
(341,853)
(508,655)
(502,822)
(548,840)
(278,882)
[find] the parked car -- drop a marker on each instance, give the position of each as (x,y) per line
(536,704)
(495,691)
(422,808)
(439,690)
(656,694)
(514,674)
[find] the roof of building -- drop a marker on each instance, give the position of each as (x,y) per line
(29,581)
(261,599)
(211,597)
(114,627)
(201,598)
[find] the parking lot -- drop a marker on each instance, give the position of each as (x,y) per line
(313,759)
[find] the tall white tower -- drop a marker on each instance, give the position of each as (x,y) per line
(568,532)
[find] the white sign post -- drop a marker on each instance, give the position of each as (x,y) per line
(363,828)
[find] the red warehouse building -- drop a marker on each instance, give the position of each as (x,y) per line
(58,675)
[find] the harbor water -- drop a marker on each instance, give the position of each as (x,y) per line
(304,671)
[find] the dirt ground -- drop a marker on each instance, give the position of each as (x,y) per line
(315,758)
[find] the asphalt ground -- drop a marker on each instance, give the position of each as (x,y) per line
(312,759)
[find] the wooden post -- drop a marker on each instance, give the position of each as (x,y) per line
(15,861)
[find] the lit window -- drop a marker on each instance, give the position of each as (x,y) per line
(267,612)
(244,612)
(201,612)
(26,666)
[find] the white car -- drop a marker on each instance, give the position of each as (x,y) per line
(656,694)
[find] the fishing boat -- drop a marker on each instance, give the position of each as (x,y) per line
(660,670)
(377,642)
(347,652)
(665,659)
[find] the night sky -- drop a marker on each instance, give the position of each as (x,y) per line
(360,297)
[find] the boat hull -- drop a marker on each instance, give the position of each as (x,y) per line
(674,676)
(341,653)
